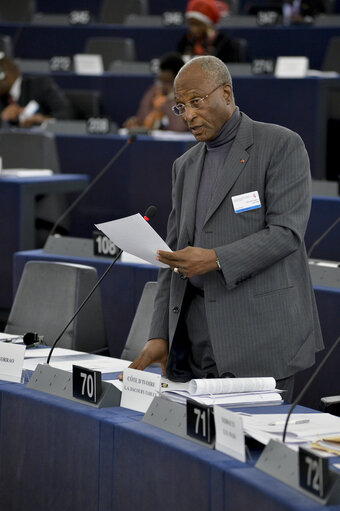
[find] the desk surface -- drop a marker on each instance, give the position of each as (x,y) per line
(57,454)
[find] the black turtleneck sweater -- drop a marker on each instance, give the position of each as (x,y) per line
(217,151)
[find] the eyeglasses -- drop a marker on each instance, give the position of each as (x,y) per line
(195,103)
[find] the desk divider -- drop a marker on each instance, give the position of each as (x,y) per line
(281,462)
(170,416)
(57,382)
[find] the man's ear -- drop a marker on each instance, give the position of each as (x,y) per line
(227,93)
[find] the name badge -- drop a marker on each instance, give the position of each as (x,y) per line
(246,202)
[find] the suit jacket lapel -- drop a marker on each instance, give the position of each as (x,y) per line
(234,164)
(192,179)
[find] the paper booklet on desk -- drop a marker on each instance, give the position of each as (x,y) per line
(224,391)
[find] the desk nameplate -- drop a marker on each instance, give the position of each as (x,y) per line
(57,382)
(171,417)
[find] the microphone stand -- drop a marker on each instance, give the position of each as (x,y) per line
(306,387)
(316,243)
(91,185)
(149,213)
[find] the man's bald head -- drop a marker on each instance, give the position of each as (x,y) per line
(213,69)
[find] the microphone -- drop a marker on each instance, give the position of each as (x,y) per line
(306,387)
(131,139)
(149,213)
(316,243)
(32,339)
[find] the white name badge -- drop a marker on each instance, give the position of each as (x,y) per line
(11,361)
(229,433)
(139,389)
(246,202)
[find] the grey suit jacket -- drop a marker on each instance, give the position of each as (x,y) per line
(260,308)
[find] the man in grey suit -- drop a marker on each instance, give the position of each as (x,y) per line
(237,299)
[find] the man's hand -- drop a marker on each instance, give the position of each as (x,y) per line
(190,261)
(132,122)
(35,119)
(155,351)
(11,112)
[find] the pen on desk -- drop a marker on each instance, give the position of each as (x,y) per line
(294,421)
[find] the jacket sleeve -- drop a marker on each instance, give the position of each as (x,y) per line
(160,319)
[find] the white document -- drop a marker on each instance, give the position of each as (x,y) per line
(223,391)
(26,172)
(229,400)
(302,428)
(11,361)
(10,338)
(228,385)
(65,359)
(38,352)
(112,365)
(30,109)
(135,235)
(229,433)
(139,389)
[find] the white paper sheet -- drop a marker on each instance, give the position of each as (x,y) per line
(10,338)
(64,359)
(135,236)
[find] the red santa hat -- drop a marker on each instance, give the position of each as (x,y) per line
(203,10)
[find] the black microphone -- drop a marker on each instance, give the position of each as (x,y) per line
(131,139)
(316,243)
(306,387)
(32,339)
(149,213)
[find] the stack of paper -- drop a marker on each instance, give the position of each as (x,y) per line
(224,391)
(303,428)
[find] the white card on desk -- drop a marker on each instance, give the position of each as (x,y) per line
(246,202)
(229,433)
(85,64)
(11,361)
(291,67)
(139,389)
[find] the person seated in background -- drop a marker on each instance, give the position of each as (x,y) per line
(154,110)
(301,11)
(30,100)
(202,37)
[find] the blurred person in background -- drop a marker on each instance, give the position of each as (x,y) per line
(202,37)
(154,110)
(301,11)
(29,100)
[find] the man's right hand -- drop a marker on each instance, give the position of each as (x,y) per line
(154,351)
(11,112)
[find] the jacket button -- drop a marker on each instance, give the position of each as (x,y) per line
(175,310)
